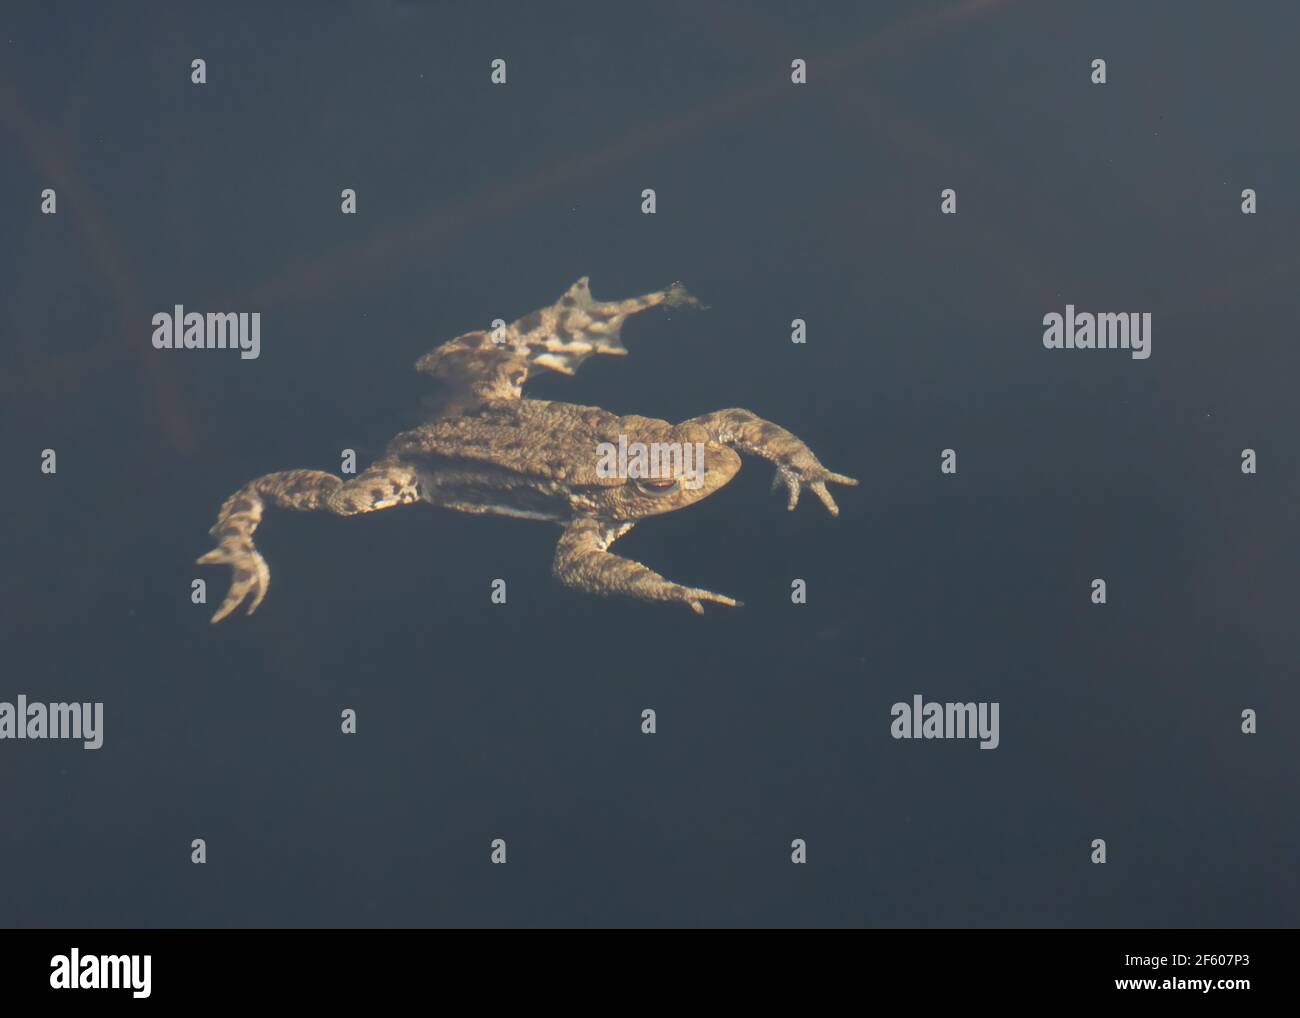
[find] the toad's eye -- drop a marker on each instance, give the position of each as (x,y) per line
(656,486)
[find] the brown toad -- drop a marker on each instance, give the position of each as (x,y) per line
(486,449)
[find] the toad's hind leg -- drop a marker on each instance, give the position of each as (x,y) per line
(583,561)
(380,487)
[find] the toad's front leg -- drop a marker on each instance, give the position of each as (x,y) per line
(583,560)
(796,466)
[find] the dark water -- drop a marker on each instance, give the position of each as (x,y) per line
(522,722)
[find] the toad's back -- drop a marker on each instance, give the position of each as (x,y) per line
(533,459)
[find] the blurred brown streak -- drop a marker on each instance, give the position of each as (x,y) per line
(436,228)
(862,108)
(48,154)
